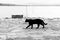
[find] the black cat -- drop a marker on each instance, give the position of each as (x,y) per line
(35,21)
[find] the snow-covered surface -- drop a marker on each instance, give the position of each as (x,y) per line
(15,29)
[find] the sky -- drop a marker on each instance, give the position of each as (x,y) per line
(41,2)
(32,11)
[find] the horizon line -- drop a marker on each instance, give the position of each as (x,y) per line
(2,4)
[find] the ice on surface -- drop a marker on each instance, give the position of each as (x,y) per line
(14,28)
